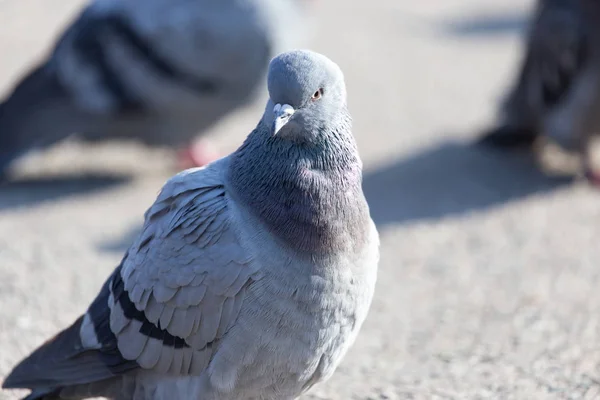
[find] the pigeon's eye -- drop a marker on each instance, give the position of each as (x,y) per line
(317,95)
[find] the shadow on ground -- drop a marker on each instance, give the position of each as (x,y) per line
(452,179)
(488,25)
(30,191)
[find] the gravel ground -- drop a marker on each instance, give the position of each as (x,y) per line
(488,267)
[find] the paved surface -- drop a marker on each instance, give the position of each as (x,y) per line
(489,274)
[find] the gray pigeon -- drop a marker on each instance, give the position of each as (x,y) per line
(252,276)
(161,71)
(555,93)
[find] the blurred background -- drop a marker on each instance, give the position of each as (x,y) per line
(489,269)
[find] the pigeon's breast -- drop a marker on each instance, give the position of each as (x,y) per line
(298,320)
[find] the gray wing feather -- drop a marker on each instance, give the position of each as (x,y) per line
(164,307)
(193,292)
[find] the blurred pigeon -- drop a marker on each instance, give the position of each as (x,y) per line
(251,277)
(555,93)
(161,71)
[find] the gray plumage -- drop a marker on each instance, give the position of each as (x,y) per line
(251,276)
(161,71)
(555,93)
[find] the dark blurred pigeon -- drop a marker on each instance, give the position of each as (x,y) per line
(161,71)
(251,277)
(557,86)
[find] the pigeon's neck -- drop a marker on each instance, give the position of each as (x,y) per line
(309,195)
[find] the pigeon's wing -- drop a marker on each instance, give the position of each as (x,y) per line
(175,295)
(182,286)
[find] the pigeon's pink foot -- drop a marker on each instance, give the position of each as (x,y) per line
(196,155)
(593,177)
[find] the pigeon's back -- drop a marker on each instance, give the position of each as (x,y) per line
(188,61)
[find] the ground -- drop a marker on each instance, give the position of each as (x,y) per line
(488,268)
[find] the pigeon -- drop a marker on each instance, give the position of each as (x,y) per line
(554,94)
(159,71)
(251,276)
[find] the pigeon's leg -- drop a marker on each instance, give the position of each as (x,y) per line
(592,175)
(196,154)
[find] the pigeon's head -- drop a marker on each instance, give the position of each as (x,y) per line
(307,93)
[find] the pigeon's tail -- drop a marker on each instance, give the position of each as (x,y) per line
(115,388)
(64,368)
(81,393)
(83,361)
(48,366)
(508,137)
(71,393)
(38,113)
(42,395)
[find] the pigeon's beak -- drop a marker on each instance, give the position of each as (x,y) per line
(282,114)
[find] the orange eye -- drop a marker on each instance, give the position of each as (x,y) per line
(317,95)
